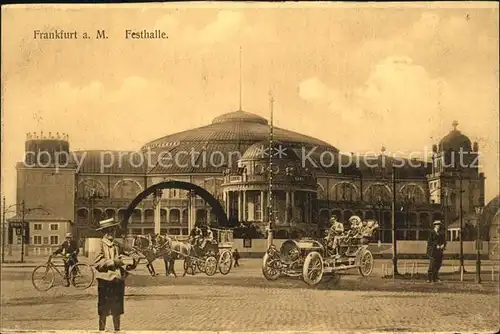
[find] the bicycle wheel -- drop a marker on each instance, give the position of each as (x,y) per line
(81,275)
(43,277)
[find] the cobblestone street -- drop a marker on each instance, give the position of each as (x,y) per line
(245,301)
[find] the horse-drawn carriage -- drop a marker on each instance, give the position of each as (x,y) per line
(217,254)
(312,259)
(213,256)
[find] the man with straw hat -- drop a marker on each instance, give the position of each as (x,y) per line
(334,235)
(110,276)
(435,248)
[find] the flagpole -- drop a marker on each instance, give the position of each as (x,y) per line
(270,173)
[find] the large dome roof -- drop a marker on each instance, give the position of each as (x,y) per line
(220,142)
(236,127)
(455,140)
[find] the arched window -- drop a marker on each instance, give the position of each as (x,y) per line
(185,216)
(88,188)
(97,215)
(149,215)
(121,214)
(110,213)
(378,192)
(126,189)
(425,220)
(174,216)
(82,216)
(347,214)
(411,194)
(136,216)
(321,191)
(163,215)
(344,191)
(324,217)
(201,215)
(337,213)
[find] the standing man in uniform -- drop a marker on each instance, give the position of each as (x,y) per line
(236,257)
(435,249)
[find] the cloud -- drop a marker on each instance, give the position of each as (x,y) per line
(397,93)
(313,89)
(226,24)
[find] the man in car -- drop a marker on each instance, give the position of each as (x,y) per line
(334,234)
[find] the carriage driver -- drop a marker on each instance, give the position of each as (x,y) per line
(209,237)
(334,233)
(195,235)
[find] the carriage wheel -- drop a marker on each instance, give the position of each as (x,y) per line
(189,266)
(312,270)
(365,263)
(269,268)
(43,278)
(225,262)
(210,266)
(81,276)
(200,264)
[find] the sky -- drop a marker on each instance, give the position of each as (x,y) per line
(356,76)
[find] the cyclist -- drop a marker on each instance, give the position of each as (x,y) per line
(69,249)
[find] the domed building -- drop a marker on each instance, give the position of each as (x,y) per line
(311,181)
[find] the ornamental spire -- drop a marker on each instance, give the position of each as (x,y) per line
(454,125)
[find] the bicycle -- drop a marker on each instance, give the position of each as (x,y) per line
(76,272)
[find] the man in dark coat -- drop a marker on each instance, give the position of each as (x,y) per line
(236,257)
(70,249)
(435,248)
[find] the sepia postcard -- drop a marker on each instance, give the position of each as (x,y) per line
(250,167)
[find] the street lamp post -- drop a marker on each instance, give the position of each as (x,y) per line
(24,210)
(22,231)
(4,209)
(393,218)
(462,268)
(479,212)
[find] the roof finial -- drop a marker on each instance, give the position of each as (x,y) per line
(240,82)
(454,124)
(382,149)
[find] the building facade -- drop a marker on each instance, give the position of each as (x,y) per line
(230,158)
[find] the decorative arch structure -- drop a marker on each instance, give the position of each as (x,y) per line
(126,188)
(209,199)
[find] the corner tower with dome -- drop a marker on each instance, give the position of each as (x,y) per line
(228,158)
(455,181)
